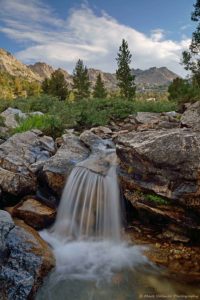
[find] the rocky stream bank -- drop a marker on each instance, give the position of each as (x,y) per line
(159,174)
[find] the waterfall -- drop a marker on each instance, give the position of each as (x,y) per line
(86,237)
(89,206)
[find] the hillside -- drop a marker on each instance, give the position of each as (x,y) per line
(150,79)
(154,76)
(10,65)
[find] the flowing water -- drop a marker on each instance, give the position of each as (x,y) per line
(92,260)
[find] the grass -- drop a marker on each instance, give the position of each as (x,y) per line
(49,125)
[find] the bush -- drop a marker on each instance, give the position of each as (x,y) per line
(182,91)
(84,113)
(49,125)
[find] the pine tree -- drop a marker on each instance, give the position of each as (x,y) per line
(99,88)
(81,83)
(45,86)
(191,58)
(56,85)
(123,73)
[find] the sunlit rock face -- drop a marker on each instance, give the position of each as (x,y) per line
(191,117)
(21,157)
(25,259)
(166,162)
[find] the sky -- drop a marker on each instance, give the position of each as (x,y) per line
(59,32)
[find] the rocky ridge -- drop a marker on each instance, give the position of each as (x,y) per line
(152,77)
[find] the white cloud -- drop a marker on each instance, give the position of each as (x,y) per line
(83,34)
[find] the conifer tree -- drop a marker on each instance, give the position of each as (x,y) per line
(56,85)
(81,83)
(99,88)
(124,76)
(191,58)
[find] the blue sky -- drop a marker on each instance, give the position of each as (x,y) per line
(60,32)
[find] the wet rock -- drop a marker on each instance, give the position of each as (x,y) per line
(59,166)
(91,140)
(191,117)
(181,261)
(34,213)
(166,162)
(18,157)
(94,142)
(25,262)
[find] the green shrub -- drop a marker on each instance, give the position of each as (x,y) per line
(157,106)
(156,199)
(84,113)
(49,125)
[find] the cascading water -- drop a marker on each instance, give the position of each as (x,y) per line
(90,202)
(86,236)
(92,260)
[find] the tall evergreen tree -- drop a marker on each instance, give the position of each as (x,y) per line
(56,85)
(124,76)
(81,83)
(99,88)
(191,58)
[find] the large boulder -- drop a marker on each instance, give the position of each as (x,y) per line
(191,117)
(10,116)
(21,156)
(25,259)
(59,166)
(166,162)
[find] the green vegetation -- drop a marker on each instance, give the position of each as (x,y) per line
(99,89)
(81,83)
(191,58)
(181,90)
(123,73)
(156,199)
(56,85)
(79,114)
(13,87)
(49,125)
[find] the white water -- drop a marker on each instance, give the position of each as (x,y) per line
(86,236)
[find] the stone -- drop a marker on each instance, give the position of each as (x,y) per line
(191,117)
(147,117)
(94,142)
(166,162)
(91,140)
(18,157)
(10,116)
(34,213)
(26,259)
(102,131)
(181,262)
(58,167)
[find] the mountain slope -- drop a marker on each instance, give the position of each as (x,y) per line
(151,78)
(9,64)
(154,76)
